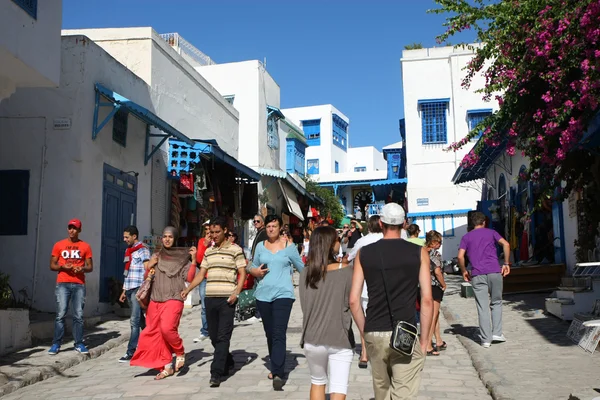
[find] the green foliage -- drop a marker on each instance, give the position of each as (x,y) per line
(541,62)
(332,206)
(413,46)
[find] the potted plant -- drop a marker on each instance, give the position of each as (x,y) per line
(18,336)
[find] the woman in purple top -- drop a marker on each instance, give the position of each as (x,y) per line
(486,276)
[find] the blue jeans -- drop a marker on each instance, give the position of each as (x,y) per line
(275,317)
(202,289)
(137,320)
(75,294)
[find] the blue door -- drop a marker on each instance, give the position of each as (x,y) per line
(119,204)
(558,228)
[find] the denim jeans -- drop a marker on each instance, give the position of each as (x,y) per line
(137,320)
(75,294)
(202,290)
(275,316)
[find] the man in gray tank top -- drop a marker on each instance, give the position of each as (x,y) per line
(401,266)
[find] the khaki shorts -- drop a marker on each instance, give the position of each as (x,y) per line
(405,378)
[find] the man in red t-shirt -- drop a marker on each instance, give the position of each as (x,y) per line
(203,244)
(72,259)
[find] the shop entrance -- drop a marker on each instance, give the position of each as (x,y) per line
(119,204)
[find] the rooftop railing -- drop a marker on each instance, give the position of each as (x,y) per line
(194,56)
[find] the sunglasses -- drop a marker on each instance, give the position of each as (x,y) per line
(345,226)
(256,221)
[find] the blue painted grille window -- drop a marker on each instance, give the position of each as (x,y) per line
(433,121)
(14,208)
(312,131)
(340,132)
(360,169)
(29,6)
(272,133)
(312,166)
(120,127)
(474,118)
(337,167)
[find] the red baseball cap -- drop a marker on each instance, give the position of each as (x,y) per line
(75,222)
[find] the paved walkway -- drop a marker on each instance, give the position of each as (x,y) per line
(450,375)
(537,361)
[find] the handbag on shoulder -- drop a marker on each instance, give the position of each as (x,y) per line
(404,334)
(143,293)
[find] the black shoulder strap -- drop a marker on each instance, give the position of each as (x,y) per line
(387,293)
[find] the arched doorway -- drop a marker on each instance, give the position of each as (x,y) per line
(361,199)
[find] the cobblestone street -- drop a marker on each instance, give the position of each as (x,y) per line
(450,375)
(534,361)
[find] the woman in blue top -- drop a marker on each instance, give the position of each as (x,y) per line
(272,266)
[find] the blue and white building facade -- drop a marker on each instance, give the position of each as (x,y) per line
(439,111)
(361,177)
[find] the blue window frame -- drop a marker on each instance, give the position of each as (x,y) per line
(360,169)
(312,131)
(272,133)
(14,209)
(29,6)
(433,120)
(340,132)
(119,131)
(312,166)
(229,98)
(475,117)
(337,167)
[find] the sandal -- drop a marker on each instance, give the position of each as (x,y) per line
(433,352)
(443,346)
(179,362)
(165,373)
(270,376)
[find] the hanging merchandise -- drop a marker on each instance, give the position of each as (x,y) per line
(175,205)
(200,177)
(186,183)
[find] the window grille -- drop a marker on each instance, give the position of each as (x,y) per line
(312,131)
(360,169)
(475,118)
(273,133)
(433,119)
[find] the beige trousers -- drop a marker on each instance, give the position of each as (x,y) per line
(395,376)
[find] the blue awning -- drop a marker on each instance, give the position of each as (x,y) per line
(275,111)
(591,137)
(429,101)
(438,213)
(246,173)
(480,111)
(487,156)
(389,182)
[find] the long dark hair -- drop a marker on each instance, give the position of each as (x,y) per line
(320,254)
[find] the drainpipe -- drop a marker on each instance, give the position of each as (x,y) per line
(453,102)
(39,214)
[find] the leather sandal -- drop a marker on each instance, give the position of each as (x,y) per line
(179,362)
(165,373)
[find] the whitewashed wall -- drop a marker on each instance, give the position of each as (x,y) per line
(29,48)
(368,157)
(71,165)
(180,94)
(432,74)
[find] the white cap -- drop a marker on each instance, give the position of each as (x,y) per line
(206,223)
(392,214)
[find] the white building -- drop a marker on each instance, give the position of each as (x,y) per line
(84,150)
(29,44)
(351,172)
(439,111)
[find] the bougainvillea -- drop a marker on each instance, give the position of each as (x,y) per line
(541,62)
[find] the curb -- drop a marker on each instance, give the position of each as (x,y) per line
(39,374)
(491,380)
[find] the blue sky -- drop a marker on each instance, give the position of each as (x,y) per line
(343,52)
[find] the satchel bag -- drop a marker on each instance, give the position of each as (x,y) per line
(404,334)
(143,293)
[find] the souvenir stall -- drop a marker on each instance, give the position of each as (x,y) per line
(206,183)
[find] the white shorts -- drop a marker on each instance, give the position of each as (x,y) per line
(338,360)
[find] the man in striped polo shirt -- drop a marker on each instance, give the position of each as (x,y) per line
(224,262)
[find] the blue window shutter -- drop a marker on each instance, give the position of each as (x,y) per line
(14,208)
